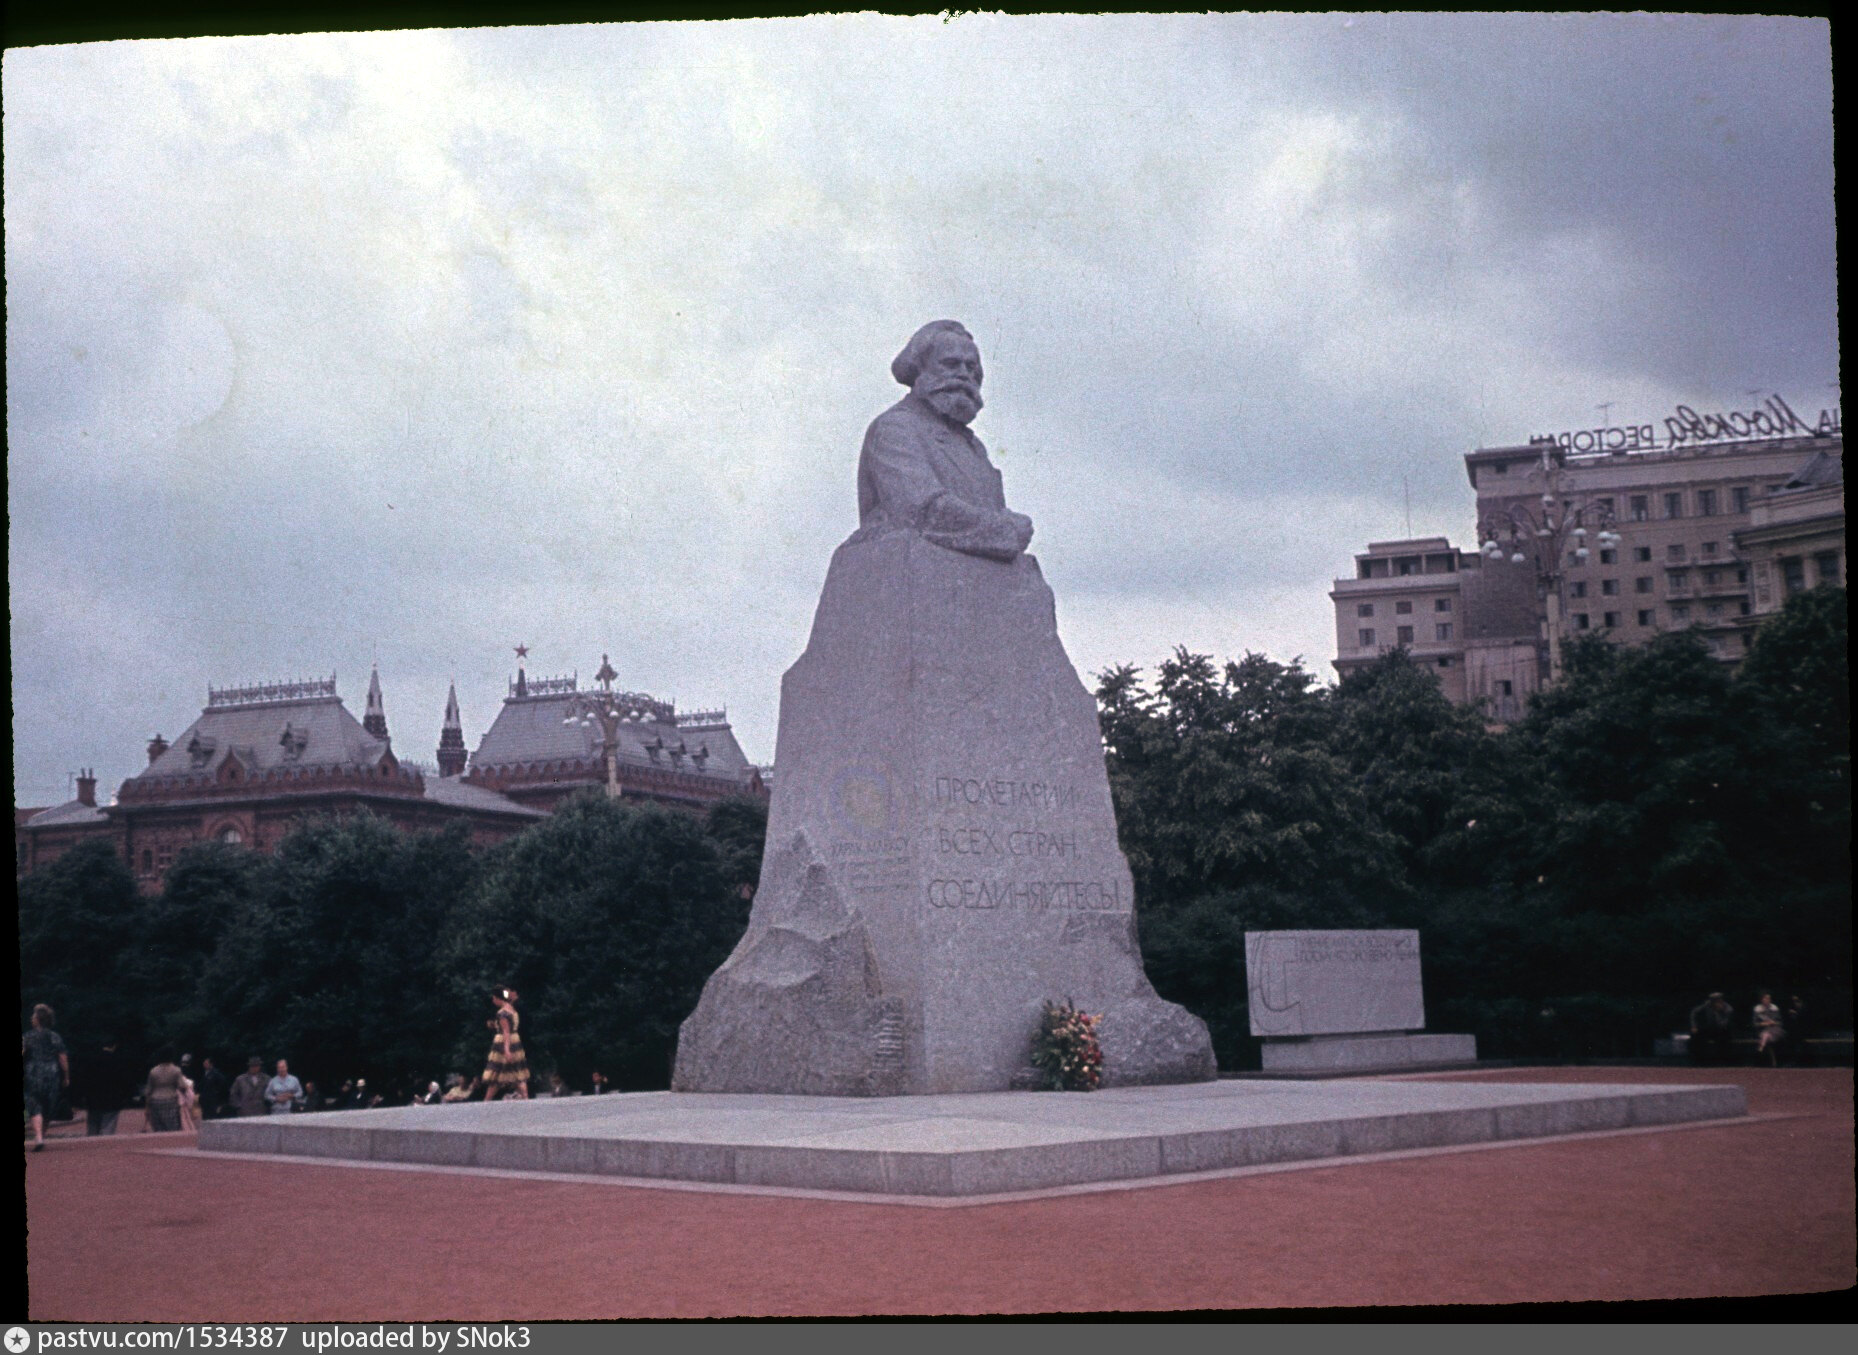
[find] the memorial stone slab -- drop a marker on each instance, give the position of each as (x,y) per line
(942,855)
(1333,983)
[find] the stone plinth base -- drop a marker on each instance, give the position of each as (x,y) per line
(1352,1053)
(970,1145)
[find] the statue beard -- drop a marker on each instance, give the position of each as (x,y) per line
(955,401)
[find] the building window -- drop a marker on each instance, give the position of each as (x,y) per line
(1738,499)
(1748,641)
(1445,660)
(1741,575)
(1674,552)
(1366,638)
(164,857)
(1403,609)
(1645,619)
(148,860)
(1609,557)
(1580,621)
(1712,577)
(1505,687)
(1706,503)
(1713,609)
(1606,508)
(231,834)
(1741,608)
(1642,554)
(1641,507)
(1611,620)
(1642,584)
(1445,630)
(1441,604)
(1680,612)
(1365,609)
(1574,560)
(1676,580)
(1709,549)
(1578,590)
(1826,565)
(1404,635)
(1609,587)
(1674,505)
(1793,575)
(1499,468)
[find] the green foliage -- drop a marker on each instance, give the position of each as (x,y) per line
(1651,830)
(77,931)
(1226,779)
(360,951)
(607,918)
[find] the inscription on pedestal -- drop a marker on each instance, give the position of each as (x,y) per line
(1333,983)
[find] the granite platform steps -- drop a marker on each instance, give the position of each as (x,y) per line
(966,1144)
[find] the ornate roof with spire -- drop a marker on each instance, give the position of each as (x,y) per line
(452,753)
(375,719)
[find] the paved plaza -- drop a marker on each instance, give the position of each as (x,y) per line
(141,1228)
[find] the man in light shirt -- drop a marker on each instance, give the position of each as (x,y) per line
(283,1093)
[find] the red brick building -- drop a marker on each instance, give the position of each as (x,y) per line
(260,758)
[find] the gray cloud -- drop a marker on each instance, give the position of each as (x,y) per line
(410,346)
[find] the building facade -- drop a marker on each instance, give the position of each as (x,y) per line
(1632,541)
(261,758)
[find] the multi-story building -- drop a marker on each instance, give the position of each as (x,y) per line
(260,758)
(1632,542)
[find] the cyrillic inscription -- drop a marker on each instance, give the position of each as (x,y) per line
(955,791)
(1004,842)
(1032,896)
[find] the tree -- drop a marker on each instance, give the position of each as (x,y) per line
(608,918)
(333,962)
(1226,780)
(79,922)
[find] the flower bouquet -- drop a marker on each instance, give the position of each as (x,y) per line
(1066,1050)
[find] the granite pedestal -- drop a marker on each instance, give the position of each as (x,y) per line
(966,1144)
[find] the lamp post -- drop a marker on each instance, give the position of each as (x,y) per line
(1520,535)
(607,709)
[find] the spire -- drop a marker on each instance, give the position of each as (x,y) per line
(375,721)
(451,737)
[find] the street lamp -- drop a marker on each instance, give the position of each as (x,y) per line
(608,709)
(1520,535)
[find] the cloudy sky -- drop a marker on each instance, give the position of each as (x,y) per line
(405,348)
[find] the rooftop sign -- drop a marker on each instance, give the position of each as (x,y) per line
(1685,427)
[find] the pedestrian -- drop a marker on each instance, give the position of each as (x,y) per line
(1769,1032)
(1709,1029)
(106,1082)
(283,1093)
(599,1081)
(162,1096)
(460,1090)
(47,1071)
(213,1087)
(312,1098)
(248,1089)
(507,1069)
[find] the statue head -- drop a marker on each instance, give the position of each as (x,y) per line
(941,365)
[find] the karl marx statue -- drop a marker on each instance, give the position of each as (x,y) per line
(922,470)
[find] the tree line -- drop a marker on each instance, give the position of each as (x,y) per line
(1654,828)
(357,950)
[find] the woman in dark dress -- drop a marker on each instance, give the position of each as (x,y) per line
(47,1069)
(507,1069)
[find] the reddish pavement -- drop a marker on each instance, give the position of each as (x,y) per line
(119,1233)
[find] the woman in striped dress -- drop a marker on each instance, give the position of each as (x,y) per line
(507,1070)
